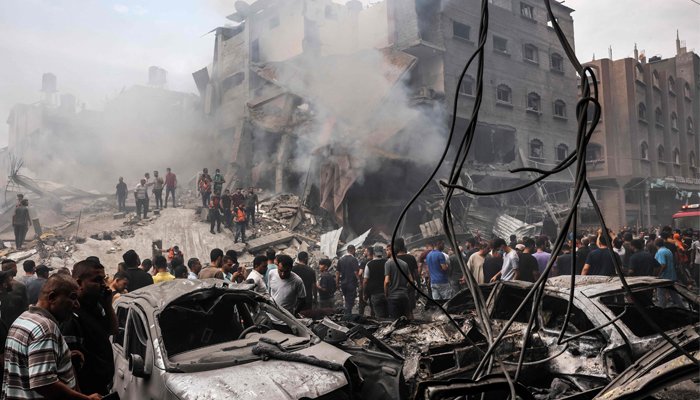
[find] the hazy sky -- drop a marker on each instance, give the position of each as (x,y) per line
(98,47)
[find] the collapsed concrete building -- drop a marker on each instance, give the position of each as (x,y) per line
(345,105)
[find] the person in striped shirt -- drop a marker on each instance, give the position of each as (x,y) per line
(37,359)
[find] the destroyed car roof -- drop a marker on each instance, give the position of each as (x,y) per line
(596,285)
(164,293)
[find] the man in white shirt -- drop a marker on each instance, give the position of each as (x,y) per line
(141,197)
(287,290)
(475,264)
(509,271)
(257,276)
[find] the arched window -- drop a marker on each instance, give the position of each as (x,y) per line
(503,94)
(674,121)
(645,151)
(671,84)
(536,149)
(660,153)
(467,86)
(655,79)
(689,126)
(562,152)
(691,160)
(594,152)
(642,111)
(530,53)
(560,109)
(676,156)
(658,116)
(557,62)
(686,90)
(533,102)
(639,73)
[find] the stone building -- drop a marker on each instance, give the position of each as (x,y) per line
(642,158)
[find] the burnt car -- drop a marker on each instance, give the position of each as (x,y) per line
(210,339)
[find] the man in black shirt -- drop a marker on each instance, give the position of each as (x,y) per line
(641,262)
(493,265)
(91,325)
(627,237)
(373,283)
(564,262)
(121,194)
(10,307)
(308,276)
(582,255)
(21,222)
(138,278)
(226,206)
(529,269)
(599,261)
(402,255)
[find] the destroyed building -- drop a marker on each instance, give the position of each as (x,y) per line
(340,103)
(642,158)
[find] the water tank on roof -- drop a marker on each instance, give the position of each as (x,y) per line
(157,76)
(48,83)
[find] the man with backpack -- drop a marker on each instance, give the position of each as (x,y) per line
(240,219)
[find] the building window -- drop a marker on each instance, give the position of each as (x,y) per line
(674,121)
(460,30)
(500,44)
(549,21)
(467,86)
(642,111)
(533,102)
(691,160)
(655,80)
(645,151)
(503,94)
(671,85)
(536,148)
(562,152)
(557,62)
(530,53)
(686,91)
(527,10)
(676,157)
(255,51)
(689,126)
(591,112)
(658,116)
(594,152)
(639,73)
(560,109)
(660,153)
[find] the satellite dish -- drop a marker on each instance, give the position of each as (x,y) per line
(241,6)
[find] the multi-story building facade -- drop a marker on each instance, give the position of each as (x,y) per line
(642,158)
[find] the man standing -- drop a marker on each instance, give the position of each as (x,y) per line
(21,222)
(511,263)
(218,181)
(238,199)
(91,325)
(308,276)
(641,262)
(257,276)
(668,271)
(181,272)
(195,266)
(37,358)
(119,284)
(541,255)
(11,306)
(326,286)
(437,272)
(493,265)
(475,264)
(214,269)
(162,274)
(373,283)
(138,278)
(582,253)
(158,184)
(396,286)
(19,289)
(239,217)
(347,277)
(215,212)
(204,187)
(29,266)
(121,194)
(271,264)
(141,198)
(627,237)
(34,287)
(599,261)
(413,268)
(251,204)
(226,207)
(287,290)
(170,185)
(527,263)
(562,266)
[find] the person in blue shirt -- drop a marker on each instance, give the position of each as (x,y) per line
(437,272)
(668,271)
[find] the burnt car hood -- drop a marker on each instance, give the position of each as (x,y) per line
(658,369)
(273,379)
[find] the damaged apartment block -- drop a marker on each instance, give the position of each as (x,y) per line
(339,104)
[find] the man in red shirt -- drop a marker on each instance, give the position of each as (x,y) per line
(238,198)
(215,212)
(170,185)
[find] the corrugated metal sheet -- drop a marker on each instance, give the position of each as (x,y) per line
(358,241)
(506,226)
(481,218)
(329,242)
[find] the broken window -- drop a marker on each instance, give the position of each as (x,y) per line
(503,94)
(122,313)
(655,79)
(689,126)
(137,338)
(232,81)
(674,121)
(670,318)
(676,157)
(460,30)
(660,153)
(691,160)
(562,152)
(671,85)
(591,112)
(560,109)
(549,21)
(642,112)
(554,313)
(557,62)
(530,53)
(527,10)
(467,86)
(594,152)
(533,102)
(639,73)
(686,90)
(508,301)
(645,151)
(255,51)
(500,44)
(658,116)
(536,149)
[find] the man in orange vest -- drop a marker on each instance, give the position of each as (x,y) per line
(240,223)
(204,186)
(172,253)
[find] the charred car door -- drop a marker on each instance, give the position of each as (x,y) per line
(134,357)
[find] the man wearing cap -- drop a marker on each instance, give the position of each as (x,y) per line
(29,266)
(91,325)
(373,283)
(34,287)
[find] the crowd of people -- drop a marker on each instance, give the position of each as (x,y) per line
(226,208)
(142,195)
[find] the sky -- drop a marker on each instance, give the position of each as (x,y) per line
(98,47)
